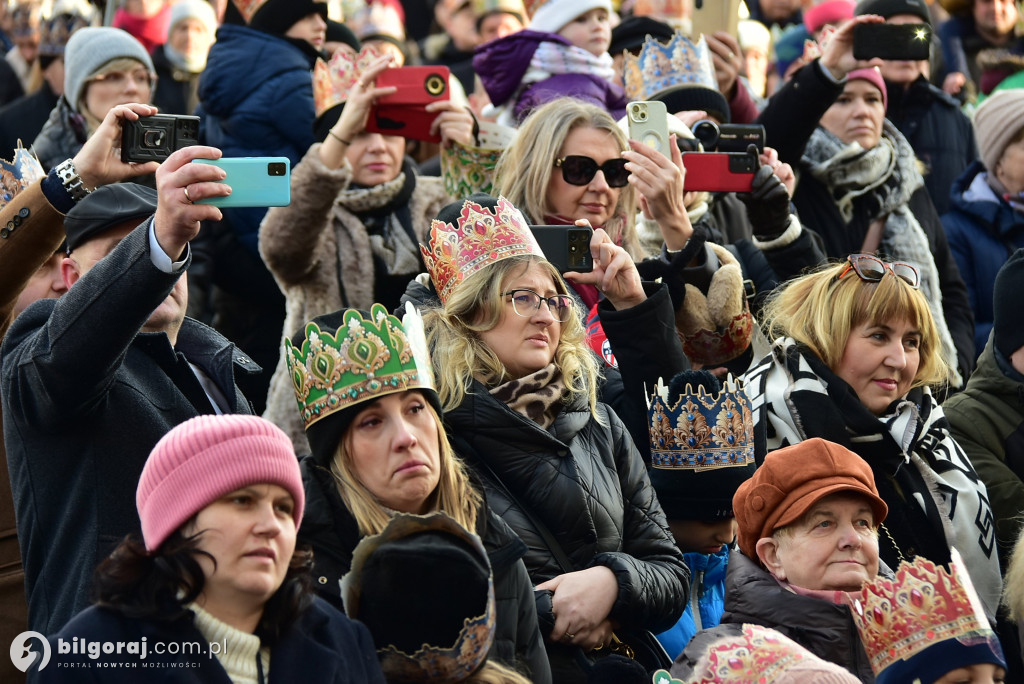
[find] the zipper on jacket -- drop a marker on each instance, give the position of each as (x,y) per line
(698,591)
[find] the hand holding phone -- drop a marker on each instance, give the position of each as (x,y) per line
(254,181)
(404,111)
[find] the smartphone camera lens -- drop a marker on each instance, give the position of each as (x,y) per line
(275,169)
(153,138)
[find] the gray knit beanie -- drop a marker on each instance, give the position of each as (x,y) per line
(89,49)
(999,118)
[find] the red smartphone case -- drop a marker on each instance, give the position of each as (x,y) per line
(404,111)
(719,171)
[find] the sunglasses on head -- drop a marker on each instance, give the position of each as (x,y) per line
(872,269)
(579,170)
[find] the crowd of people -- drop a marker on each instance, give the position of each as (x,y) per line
(760,426)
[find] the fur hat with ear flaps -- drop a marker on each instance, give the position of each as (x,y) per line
(716,326)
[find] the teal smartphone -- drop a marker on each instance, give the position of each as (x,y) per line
(254,181)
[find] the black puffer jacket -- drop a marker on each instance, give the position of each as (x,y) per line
(585,481)
(753,596)
(331,530)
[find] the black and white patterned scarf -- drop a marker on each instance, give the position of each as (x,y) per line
(794,397)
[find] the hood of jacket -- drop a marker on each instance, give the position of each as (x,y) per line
(999,215)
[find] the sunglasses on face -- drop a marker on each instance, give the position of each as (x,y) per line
(579,170)
(872,269)
(526,302)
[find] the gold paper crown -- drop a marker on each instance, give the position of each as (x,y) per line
(363,359)
(248,8)
(480,238)
(332,82)
(483,7)
(924,605)
(701,431)
(660,66)
(470,169)
(17,175)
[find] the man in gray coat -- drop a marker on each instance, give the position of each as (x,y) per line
(91,381)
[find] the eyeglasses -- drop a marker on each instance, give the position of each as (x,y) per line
(872,269)
(579,170)
(118,79)
(526,302)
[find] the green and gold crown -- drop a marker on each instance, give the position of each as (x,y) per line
(365,358)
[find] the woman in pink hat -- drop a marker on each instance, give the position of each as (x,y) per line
(215,587)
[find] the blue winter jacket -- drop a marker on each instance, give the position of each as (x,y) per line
(982,235)
(256,99)
(707,589)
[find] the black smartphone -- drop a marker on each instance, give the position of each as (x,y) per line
(892,41)
(154,138)
(566,247)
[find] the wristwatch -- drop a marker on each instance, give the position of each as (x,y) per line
(71,181)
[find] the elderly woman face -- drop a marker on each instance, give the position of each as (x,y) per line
(394,451)
(573,195)
(190,37)
(833,547)
(250,533)
(526,337)
(1010,167)
(857,114)
(880,362)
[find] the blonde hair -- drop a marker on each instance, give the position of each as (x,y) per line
(820,309)
(523,173)
(453,495)
(494,672)
(1013,582)
(119,64)
(477,306)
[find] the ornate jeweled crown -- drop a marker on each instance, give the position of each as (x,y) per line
(924,605)
(363,359)
(17,175)
(334,80)
(701,431)
(481,237)
(757,654)
(715,347)
(660,66)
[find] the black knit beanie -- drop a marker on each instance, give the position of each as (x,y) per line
(277,16)
(1007,323)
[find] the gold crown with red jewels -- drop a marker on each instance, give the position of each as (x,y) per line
(660,66)
(480,237)
(334,80)
(924,605)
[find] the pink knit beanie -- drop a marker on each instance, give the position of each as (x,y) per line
(205,458)
(873,76)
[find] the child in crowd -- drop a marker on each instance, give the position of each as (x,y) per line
(563,52)
(702,449)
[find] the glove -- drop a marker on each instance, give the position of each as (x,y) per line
(767,204)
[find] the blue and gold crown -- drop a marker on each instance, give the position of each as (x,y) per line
(660,66)
(365,358)
(701,431)
(18,174)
